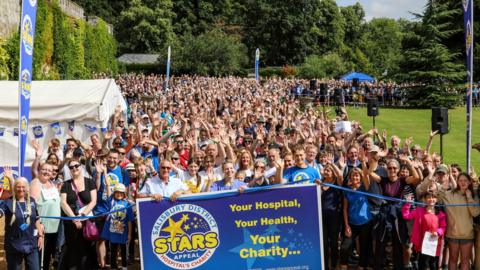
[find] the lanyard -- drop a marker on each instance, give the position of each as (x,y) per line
(21,211)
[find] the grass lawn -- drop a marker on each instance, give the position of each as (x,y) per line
(417,123)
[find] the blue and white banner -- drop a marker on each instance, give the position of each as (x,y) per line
(277,228)
(257,62)
(169,54)
(468,25)
(27,33)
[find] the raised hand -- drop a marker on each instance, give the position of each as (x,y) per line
(37,147)
(8,172)
(433,133)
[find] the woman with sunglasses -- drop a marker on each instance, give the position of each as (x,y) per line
(23,230)
(78,198)
(47,196)
(390,223)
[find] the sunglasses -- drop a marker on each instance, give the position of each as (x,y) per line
(392,168)
(179,142)
(247,141)
(260,167)
(165,168)
(122,153)
(71,167)
(175,158)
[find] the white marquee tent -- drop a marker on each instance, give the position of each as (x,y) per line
(90,103)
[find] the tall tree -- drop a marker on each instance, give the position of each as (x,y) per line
(146,26)
(428,63)
(354,18)
(381,42)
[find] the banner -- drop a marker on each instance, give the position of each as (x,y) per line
(27,33)
(169,53)
(278,228)
(468,25)
(257,62)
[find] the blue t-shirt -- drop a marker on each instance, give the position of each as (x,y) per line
(116,226)
(220,185)
(153,154)
(358,207)
(295,174)
(116,177)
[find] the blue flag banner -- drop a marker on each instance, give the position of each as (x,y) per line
(90,128)
(257,62)
(56,128)
(27,33)
(267,229)
(15,132)
(169,54)
(2,131)
(468,25)
(71,125)
(37,132)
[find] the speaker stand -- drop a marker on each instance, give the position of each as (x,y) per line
(373,118)
(441,145)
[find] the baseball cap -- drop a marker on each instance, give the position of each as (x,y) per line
(374,148)
(130,167)
(442,168)
(119,188)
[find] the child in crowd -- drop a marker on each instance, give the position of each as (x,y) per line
(118,226)
(426,219)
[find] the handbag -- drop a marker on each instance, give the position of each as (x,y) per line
(90,230)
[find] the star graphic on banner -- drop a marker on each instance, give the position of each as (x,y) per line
(291,245)
(247,244)
(186,227)
(185,217)
(174,228)
(272,229)
(290,231)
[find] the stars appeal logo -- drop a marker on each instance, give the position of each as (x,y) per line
(27,35)
(185,236)
(23,126)
(26,83)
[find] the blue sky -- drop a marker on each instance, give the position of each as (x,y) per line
(387,8)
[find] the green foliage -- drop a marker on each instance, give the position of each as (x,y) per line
(146,26)
(13,51)
(270,72)
(329,65)
(100,48)
(381,43)
(4,58)
(43,68)
(213,53)
(428,63)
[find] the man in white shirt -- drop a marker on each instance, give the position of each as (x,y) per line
(163,185)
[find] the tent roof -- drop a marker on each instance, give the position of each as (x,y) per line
(51,101)
(362,77)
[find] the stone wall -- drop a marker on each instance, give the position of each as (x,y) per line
(9,17)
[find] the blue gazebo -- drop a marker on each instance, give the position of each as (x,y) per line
(362,77)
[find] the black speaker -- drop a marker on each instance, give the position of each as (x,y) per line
(355,82)
(338,95)
(372,107)
(313,84)
(440,119)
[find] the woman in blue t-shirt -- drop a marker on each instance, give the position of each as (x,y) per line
(357,218)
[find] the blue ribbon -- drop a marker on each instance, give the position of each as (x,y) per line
(392,198)
(231,193)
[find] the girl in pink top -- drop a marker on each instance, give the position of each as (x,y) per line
(426,219)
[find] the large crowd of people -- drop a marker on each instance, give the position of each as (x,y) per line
(206,134)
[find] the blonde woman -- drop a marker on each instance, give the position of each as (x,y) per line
(23,230)
(47,196)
